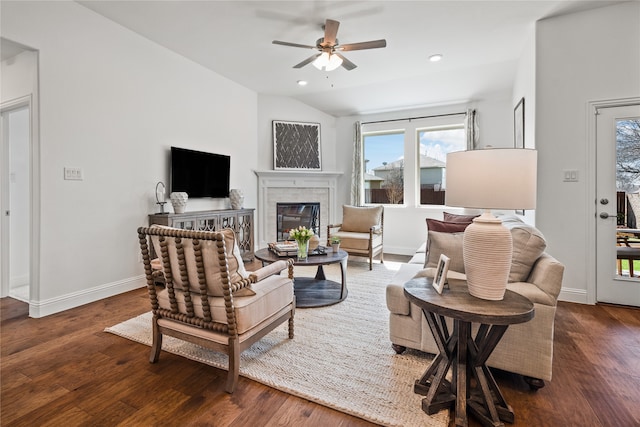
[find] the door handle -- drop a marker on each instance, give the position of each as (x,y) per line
(605,215)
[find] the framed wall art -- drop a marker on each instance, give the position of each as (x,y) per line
(518,124)
(296,145)
(518,132)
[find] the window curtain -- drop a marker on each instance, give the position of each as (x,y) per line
(471,128)
(357,173)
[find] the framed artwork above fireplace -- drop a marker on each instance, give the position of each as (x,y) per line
(296,145)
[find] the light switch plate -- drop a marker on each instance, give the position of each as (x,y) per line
(74,174)
(570,175)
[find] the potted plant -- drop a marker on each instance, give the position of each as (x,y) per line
(335,243)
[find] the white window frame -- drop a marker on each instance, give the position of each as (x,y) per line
(411,128)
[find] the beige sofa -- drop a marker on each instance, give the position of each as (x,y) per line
(525,349)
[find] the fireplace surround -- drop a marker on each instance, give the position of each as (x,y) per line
(294,187)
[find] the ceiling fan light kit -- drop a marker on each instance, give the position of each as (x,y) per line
(328,58)
(327,61)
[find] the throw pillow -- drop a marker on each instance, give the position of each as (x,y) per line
(450,217)
(528,245)
(446,227)
(449,244)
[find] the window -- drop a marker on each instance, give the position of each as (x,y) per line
(434,144)
(405,161)
(384,167)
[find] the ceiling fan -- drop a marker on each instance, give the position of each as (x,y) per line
(328,56)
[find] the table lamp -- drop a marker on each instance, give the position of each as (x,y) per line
(493,178)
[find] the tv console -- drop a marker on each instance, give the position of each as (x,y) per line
(239,220)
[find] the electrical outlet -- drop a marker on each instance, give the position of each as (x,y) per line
(73,174)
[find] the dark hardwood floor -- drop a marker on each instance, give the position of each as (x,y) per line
(64,370)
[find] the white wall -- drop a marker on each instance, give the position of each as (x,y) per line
(405,227)
(524,86)
(112,103)
(583,57)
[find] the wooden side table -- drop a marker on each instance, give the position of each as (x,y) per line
(472,386)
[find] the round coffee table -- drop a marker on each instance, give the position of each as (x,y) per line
(314,291)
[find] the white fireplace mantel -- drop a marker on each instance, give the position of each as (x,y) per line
(298,186)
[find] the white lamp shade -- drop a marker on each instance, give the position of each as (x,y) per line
(493,178)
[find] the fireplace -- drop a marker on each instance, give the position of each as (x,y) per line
(291,187)
(294,215)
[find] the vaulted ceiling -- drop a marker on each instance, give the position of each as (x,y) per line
(481,42)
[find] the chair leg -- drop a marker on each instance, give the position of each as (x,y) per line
(291,326)
(156,346)
(234,366)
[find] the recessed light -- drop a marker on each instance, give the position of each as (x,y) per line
(302,82)
(435,58)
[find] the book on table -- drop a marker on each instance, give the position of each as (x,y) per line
(287,249)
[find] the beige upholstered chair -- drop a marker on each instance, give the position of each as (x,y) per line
(361,231)
(209,299)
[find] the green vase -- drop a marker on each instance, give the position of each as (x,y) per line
(303,250)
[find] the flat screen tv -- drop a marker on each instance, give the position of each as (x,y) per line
(199,174)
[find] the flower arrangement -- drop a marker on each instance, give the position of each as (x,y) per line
(335,240)
(301,234)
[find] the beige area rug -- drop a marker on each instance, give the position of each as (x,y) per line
(341,356)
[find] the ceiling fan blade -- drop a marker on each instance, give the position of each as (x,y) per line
(373,44)
(307,61)
(348,65)
(330,32)
(304,46)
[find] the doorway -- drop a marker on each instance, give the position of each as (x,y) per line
(617,193)
(16,195)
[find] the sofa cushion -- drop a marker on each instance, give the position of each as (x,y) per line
(450,217)
(532,292)
(357,241)
(446,227)
(396,301)
(449,244)
(360,219)
(271,295)
(528,245)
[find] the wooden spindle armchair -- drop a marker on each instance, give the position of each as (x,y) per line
(208,298)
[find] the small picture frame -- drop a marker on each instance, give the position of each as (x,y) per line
(441,273)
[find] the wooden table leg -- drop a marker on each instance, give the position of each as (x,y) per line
(432,384)
(463,330)
(487,402)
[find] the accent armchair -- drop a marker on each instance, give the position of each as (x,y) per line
(208,297)
(361,231)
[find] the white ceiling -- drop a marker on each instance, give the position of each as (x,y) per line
(481,42)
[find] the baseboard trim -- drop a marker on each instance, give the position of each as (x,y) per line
(75,299)
(573,295)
